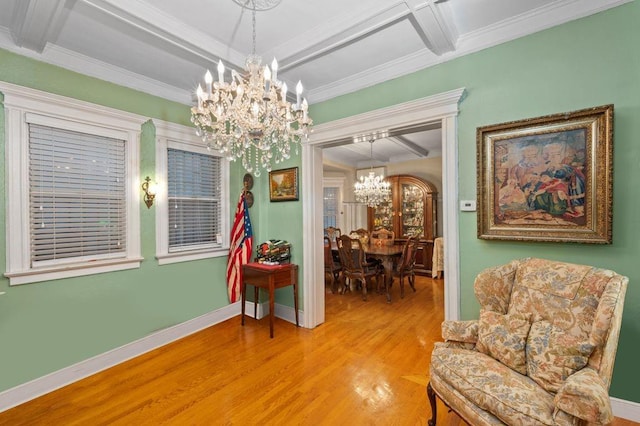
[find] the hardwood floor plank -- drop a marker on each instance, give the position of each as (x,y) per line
(367,365)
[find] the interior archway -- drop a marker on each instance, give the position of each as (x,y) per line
(441,108)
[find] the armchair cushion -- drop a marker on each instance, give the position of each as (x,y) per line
(504,338)
(553,355)
(460,331)
(585,395)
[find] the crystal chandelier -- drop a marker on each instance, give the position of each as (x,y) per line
(372,190)
(248,118)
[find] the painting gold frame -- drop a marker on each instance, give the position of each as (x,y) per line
(283,184)
(547,178)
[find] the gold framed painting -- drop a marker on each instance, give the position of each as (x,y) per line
(283,184)
(547,178)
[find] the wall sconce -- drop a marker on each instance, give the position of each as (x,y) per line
(150,189)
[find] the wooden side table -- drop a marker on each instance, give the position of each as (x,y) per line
(269,277)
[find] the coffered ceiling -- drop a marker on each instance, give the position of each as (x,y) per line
(163,47)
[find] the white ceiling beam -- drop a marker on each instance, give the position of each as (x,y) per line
(337,34)
(410,146)
(431,26)
(358,149)
(37,22)
(170,30)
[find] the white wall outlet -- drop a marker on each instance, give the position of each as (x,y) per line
(468,205)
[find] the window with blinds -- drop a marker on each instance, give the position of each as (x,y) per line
(194,200)
(77,196)
(330,207)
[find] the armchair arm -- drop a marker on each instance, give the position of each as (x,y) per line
(584,395)
(460,331)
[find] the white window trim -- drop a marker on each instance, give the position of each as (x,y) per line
(171,135)
(22,104)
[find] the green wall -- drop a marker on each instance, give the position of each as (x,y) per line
(589,62)
(50,325)
(593,61)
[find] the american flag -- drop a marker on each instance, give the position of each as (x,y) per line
(240,250)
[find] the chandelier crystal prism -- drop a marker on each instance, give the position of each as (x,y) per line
(372,190)
(249,118)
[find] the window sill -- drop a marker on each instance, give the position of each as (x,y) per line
(187,256)
(70,271)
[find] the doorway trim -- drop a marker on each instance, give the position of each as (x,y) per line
(441,108)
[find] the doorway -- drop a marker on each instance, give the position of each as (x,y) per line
(441,108)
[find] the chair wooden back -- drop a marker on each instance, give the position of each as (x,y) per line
(363,235)
(408,258)
(329,261)
(383,237)
(328,257)
(351,254)
(332,232)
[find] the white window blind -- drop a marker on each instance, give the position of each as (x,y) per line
(77,196)
(194,198)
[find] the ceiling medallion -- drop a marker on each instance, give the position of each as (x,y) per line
(258,4)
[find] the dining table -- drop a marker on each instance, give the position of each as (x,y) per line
(388,255)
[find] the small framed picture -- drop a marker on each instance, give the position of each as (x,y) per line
(283,184)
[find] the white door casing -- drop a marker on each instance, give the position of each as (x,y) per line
(442,107)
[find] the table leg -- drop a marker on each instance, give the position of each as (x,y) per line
(271,308)
(256,293)
(388,276)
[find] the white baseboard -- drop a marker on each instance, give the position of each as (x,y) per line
(626,409)
(287,313)
(45,384)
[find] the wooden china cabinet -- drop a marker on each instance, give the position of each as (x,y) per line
(410,212)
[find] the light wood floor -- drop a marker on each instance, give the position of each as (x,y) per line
(367,365)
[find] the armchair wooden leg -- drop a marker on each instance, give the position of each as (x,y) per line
(432,400)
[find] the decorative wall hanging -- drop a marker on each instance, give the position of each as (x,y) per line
(247,184)
(547,178)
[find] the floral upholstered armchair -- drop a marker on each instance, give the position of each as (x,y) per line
(542,351)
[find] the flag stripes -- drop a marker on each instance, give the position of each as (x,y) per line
(240,249)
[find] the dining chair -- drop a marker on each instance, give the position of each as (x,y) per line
(332,232)
(354,266)
(383,237)
(406,265)
(363,235)
(365,238)
(331,267)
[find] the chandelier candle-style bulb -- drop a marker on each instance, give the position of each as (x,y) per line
(200,95)
(274,69)
(208,79)
(267,81)
(220,72)
(298,94)
(249,118)
(305,107)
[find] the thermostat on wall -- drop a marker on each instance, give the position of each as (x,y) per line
(468,205)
